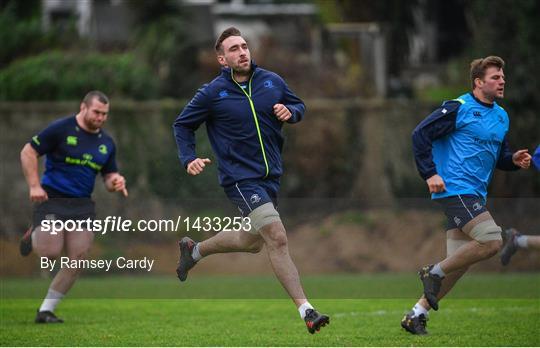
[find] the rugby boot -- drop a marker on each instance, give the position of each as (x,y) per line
(47,317)
(414,324)
(25,245)
(186,261)
(509,248)
(314,320)
(432,286)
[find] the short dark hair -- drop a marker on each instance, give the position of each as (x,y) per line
(480,65)
(100,96)
(231,31)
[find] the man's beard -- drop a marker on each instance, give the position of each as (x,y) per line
(240,71)
(93,126)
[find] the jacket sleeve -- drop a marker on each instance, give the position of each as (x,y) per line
(295,105)
(189,120)
(439,123)
(536,158)
(505,157)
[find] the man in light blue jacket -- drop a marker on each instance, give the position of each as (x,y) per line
(456,149)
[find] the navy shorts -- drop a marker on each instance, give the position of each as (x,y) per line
(247,195)
(60,207)
(461,209)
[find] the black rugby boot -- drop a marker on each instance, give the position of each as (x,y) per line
(414,324)
(432,286)
(314,320)
(186,261)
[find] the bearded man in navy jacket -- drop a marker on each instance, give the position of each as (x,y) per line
(244,109)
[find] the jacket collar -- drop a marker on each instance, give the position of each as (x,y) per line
(226,72)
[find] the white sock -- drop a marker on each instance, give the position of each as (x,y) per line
(437,270)
(303,308)
(196,253)
(52,299)
(419,309)
(521,242)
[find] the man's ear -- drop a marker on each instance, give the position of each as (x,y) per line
(221,60)
(83,107)
(478,82)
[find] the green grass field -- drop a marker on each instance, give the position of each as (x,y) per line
(365,310)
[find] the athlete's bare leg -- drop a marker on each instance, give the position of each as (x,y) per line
(231,241)
(473,251)
(78,244)
(275,239)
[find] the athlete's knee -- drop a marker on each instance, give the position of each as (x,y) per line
(78,245)
(489,249)
(275,236)
(278,241)
(47,245)
(256,247)
(265,220)
(50,254)
(50,251)
(493,247)
(81,254)
(488,235)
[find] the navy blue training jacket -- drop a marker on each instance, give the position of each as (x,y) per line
(243,130)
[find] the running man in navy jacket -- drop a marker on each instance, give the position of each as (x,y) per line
(244,109)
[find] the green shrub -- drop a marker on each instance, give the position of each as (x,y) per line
(58,75)
(20,36)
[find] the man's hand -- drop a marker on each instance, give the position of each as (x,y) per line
(38,194)
(196,166)
(522,158)
(281,112)
(116,183)
(436,184)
